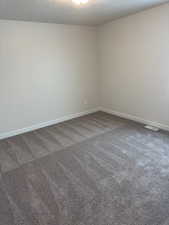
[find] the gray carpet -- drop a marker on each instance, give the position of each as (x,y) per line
(94,170)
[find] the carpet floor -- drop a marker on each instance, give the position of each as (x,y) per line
(93,170)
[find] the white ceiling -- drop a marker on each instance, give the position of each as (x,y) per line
(64,11)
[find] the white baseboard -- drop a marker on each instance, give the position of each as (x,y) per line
(46,124)
(76,115)
(136,119)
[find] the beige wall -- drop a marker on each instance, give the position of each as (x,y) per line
(47,71)
(50,71)
(134,54)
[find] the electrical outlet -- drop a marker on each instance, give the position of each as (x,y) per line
(85,102)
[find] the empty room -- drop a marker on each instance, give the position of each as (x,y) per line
(84,112)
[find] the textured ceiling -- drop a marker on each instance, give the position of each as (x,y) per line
(64,11)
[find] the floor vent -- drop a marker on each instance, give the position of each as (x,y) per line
(151,128)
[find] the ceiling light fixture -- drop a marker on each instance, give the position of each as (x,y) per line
(80,2)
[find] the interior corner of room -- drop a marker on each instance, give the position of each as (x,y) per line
(84,112)
(53,72)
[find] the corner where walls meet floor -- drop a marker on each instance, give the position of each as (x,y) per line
(73,116)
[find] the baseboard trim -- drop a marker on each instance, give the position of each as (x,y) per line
(46,124)
(76,115)
(136,119)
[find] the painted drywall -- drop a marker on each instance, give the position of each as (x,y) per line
(47,71)
(134,59)
(50,72)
